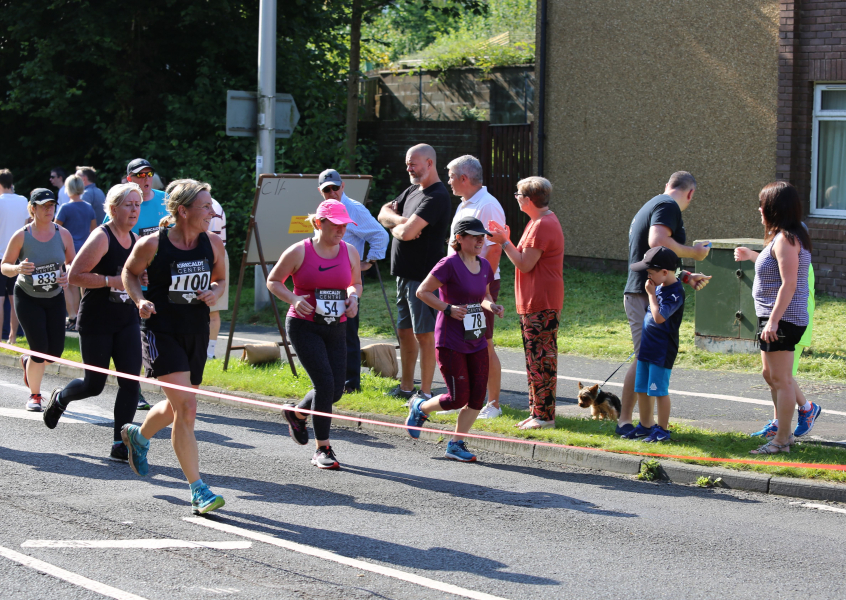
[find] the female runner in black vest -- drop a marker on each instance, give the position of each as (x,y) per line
(108,321)
(186,275)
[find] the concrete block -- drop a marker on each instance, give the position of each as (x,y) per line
(503,447)
(812,490)
(737,480)
(590,459)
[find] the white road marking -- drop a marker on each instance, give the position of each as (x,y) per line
(149,544)
(821,507)
(683,393)
(76,416)
(75,579)
(352,562)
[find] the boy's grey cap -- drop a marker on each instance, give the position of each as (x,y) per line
(659,257)
(329,177)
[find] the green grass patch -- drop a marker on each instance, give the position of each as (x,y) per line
(593,324)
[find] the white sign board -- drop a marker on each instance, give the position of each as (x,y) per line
(284,201)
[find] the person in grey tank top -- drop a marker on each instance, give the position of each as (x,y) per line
(780,291)
(37,255)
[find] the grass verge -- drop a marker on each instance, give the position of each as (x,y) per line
(279,382)
(593,324)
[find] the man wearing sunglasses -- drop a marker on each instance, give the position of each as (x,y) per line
(366,229)
(57,180)
(141,172)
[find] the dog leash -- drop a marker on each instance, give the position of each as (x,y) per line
(617,369)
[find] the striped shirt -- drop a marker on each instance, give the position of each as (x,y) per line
(768,281)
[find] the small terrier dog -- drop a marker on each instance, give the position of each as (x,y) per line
(602,404)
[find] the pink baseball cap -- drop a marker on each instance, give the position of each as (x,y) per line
(335,212)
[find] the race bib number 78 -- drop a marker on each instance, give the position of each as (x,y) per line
(474,322)
(188,278)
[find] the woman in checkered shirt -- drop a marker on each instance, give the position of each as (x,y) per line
(781,293)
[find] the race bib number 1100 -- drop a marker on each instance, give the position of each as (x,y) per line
(188,278)
(329,306)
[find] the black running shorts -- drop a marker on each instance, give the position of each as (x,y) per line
(165,353)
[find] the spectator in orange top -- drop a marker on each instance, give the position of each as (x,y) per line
(539,291)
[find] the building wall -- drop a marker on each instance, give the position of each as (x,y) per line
(812,49)
(636,90)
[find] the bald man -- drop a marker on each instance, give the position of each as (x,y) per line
(418,220)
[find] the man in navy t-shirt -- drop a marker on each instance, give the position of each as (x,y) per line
(659,342)
(658,223)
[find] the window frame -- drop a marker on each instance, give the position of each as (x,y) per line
(821,115)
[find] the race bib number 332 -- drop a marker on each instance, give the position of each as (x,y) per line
(329,306)
(188,278)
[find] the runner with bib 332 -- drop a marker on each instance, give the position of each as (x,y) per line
(327,285)
(186,275)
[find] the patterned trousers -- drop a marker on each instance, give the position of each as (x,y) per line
(540,342)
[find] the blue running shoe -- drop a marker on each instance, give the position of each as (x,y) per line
(659,434)
(806,420)
(638,433)
(204,500)
(137,446)
(624,430)
(416,417)
(458,451)
(768,431)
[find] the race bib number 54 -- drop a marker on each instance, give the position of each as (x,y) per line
(474,322)
(188,278)
(330,306)
(45,278)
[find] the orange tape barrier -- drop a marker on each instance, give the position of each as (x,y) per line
(174,386)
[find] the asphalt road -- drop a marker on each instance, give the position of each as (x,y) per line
(504,527)
(744,403)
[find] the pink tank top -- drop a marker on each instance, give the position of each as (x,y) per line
(323,283)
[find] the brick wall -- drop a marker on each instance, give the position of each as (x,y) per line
(812,48)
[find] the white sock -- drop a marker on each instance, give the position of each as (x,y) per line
(805,407)
(210,351)
(775,422)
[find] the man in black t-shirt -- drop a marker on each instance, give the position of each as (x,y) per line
(658,223)
(419,220)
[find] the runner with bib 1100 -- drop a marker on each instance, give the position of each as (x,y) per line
(184,264)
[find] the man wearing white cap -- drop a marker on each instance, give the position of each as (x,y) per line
(364,229)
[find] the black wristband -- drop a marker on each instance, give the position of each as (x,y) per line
(448,310)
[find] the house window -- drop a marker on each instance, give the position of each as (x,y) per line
(828,170)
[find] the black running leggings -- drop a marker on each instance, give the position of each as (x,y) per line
(124,347)
(322,351)
(43,322)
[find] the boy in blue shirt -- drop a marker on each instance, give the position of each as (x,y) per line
(659,343)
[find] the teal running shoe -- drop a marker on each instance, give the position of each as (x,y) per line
(458,451)
(137,446)
(768,431)
(416,417)
(204,501)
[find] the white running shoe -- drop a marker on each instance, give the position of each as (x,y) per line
(489,411)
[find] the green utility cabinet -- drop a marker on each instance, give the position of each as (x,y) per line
(725,319)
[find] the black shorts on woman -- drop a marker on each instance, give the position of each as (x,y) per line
(176,337)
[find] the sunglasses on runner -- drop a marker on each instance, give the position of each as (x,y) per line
(143,175)
(331,188)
